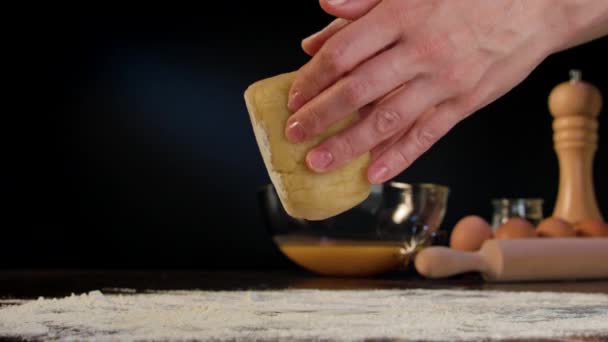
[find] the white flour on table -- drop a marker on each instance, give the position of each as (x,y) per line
(307,315)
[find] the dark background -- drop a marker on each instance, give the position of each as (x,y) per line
(128,144)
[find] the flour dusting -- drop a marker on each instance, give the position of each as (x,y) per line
(307,315)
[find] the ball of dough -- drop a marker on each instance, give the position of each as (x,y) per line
(303,193)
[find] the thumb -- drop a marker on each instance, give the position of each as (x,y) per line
(345,11)
(348,9)
(313,43)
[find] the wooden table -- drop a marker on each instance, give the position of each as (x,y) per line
(32,284)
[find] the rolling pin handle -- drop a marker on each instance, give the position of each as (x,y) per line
(442,262)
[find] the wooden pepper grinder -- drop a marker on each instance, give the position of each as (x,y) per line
(575,106)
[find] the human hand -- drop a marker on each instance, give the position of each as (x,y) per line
(414,69)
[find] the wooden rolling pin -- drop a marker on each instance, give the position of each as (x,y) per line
(521,260)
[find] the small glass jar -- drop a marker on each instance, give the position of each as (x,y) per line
(527,208)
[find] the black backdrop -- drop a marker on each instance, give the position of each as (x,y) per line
(129,145)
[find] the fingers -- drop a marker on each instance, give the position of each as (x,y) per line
(397,153)
(312,44)
(369,82)
(348,9)
(386,144)
(342,52)
(385,120)
(427,130)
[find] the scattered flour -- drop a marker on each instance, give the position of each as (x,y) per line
(307,315)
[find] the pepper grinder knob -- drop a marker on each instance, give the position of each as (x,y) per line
(575,106)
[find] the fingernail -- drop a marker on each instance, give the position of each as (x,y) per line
(377,173)
(295,132)
(295,101)
(336,2)
(319,159)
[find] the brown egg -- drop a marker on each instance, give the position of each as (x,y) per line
(555,227)
(591,228)
(516,228)
(469,233)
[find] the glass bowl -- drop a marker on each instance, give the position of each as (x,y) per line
(530,209)
(379,235)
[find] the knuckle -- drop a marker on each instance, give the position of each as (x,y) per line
(312,122)
(386,121)
(345,147)
(458,80)
(354,92)
(423,139)
(402,160)
(431,48)
(421,50)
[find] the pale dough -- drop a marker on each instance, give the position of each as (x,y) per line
(303,193)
